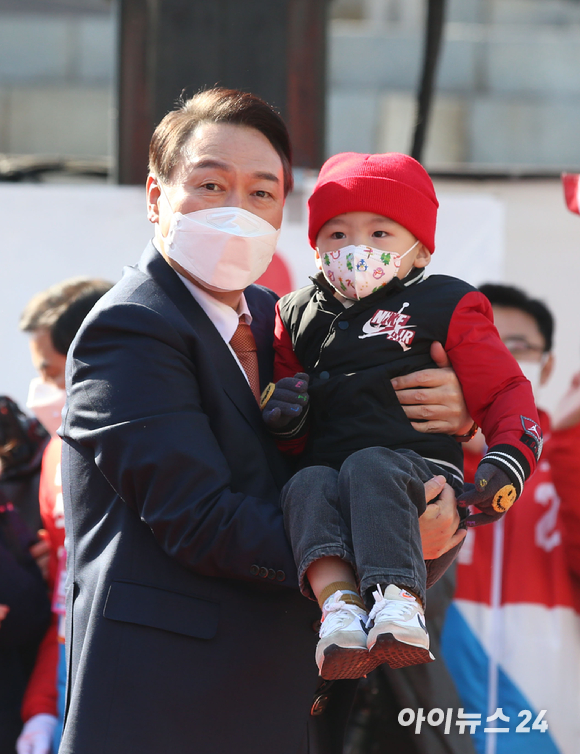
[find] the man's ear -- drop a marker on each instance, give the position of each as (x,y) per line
(547,369)
(153,196)
(423,256)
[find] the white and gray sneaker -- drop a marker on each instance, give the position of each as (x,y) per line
(398,635)
(342,649)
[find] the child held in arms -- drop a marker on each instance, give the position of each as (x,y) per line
(352,510)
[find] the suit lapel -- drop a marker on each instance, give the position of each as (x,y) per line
(233,381)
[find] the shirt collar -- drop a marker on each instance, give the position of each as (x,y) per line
(224,318)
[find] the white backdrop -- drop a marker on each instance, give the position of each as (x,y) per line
(52,232)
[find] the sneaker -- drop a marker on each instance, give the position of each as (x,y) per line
(342,649)
(399,635)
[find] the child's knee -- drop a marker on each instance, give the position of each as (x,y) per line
(312,480)
(376,462)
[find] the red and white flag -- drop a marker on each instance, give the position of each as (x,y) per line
(571,183)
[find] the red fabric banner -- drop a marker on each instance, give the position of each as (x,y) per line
(571,183)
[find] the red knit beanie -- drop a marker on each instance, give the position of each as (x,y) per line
(393,185)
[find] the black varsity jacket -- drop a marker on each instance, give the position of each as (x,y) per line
(352,352)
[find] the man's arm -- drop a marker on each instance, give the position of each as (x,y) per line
(136,407)
(432,399)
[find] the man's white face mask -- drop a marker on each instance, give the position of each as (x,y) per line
(46,402)
(224,249)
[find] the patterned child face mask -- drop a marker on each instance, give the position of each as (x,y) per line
(358,271)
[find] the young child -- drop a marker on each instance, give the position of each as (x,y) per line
(352,510)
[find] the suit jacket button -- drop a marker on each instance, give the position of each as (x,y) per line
(255,570)
(263,572)
(280,576)
(271,573)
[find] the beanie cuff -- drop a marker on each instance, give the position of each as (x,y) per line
(392,185)
(401,203)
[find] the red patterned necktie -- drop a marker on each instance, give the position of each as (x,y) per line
(244,346)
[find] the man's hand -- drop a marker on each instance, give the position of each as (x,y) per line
(567,414)
(434,395)
(289,399)
(4,610)
(493,494)
(438,524)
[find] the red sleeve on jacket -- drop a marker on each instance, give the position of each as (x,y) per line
(498,396)
(286,364)
(563,453)
(41,692)
(470,463)
(50,500)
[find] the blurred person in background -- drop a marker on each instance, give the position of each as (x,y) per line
(512,636)
(52,319)
(24,616)
(565,455)
(23,440)
(22,443)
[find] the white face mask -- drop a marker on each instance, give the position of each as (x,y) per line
(46,402)
(225,249)
(533,372)
(358,271)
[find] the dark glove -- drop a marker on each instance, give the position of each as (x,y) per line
(493,494)
(287,401)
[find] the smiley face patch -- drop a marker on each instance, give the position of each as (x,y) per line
(504,498)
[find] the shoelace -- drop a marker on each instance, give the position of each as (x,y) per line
(331,614)
(389,609)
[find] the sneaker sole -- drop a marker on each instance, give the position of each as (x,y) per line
(398,654)
(342,663)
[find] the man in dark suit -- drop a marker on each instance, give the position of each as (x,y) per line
(186,632)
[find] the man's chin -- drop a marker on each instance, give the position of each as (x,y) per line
(220,293)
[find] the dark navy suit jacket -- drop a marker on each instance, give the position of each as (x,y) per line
(186,632)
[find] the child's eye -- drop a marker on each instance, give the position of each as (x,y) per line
(337,234)
(380,234)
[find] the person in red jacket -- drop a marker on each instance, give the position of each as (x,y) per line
(564,459)
(512,635)
(52,318)
(371,314)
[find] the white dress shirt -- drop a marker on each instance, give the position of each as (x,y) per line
(223,317)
